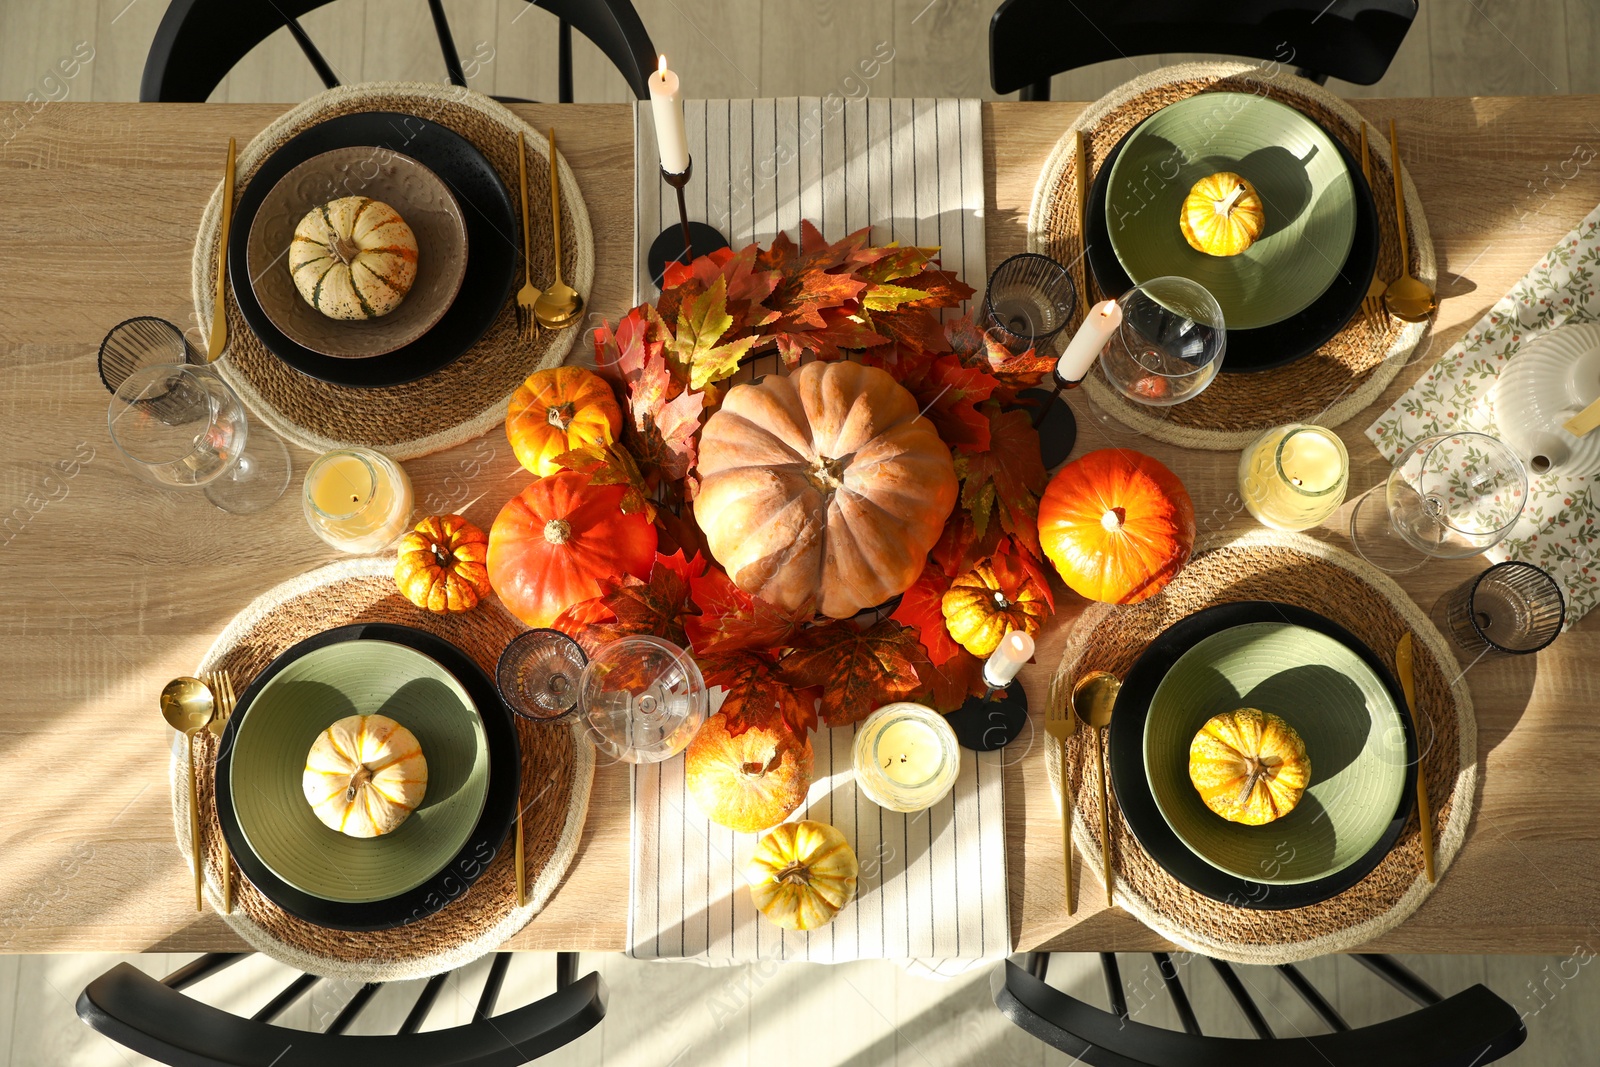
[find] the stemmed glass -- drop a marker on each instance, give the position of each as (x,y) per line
(643,699)
(538,675)
(1450,496)
(1170,344)
(181,426)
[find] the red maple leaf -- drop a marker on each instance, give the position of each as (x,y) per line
(1007,479)
(949,395)
(612,464)
(1012,372)
(920,609)
(755,695)
(858,670)
(732,619)
(655,607)
(950,684)
(959,547)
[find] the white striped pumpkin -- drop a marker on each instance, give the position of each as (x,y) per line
(353,258)
(364,775)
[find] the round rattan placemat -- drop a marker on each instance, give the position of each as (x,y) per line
(459,402)
(1328,387)
(1292,569)
(557,773)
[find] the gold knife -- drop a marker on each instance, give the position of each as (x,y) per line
(219,314)
(1403,665)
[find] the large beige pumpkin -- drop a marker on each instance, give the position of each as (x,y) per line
(353,258)
(364,775)
(824,487)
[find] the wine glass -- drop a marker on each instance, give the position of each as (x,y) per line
(1450,496)
(181,426)
(538,675)
(643,699)
(1170,344)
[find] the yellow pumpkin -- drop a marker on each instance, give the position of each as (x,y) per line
(1222,215)
(802,873)
(558,410)
(1249,766)
(364,775)
(353,258)
(441,564)
(992,599)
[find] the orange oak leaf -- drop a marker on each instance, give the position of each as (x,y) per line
(755,694)
(732,619)
(858,670)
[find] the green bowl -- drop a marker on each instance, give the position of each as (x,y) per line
(1306,189)
(308,696)
(1338,706)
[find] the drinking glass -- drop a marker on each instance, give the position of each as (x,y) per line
(357,500)
(538,675)
(643,699)
(1170,344)
(182,427)
(1513,608)
(141,342)
(1450,496)
(1030,300)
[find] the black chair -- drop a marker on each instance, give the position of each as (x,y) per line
(1354,40)
(199,41)
(1470,1029)
(155,1019)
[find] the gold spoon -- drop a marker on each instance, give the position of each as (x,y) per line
(1406,298)
(1094,696)
(560,305)
(188,705)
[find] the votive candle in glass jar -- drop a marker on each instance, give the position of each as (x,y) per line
(1293,477)
(357,500)
(906,757)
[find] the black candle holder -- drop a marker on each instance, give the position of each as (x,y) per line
(1053,419)
(684,242)
(991,721)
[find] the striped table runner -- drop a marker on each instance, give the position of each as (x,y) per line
(911,169)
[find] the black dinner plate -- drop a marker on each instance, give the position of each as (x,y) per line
(1283,342)
(1126,755)
(492,244)
(452,880)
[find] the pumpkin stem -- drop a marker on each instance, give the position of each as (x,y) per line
(826,473)
(344,249)
(756,769)
(357,780)
(560,415)
(1114,518)
(557,531)
(1225,206)
(440,556)
(1257,768)
(796,873)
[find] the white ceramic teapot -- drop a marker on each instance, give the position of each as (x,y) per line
(1547,383)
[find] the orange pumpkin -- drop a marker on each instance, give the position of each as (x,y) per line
(561,541)
(1117,525)
(992,599)
(441,564)
(1249,766)
(824,488)
(558,410)
(749,782)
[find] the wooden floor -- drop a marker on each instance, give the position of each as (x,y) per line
(874,1013)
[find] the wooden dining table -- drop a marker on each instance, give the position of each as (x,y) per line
(109,587)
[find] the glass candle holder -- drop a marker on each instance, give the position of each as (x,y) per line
(1513,608)
(1293,477)
(357,500)
(906,757)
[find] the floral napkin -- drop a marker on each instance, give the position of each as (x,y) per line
(1557,529)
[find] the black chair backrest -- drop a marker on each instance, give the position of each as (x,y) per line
(199,41)
(1030,40)
(1470,1029)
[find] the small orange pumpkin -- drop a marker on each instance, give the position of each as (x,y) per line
(558,410)
(1117,524)
(993,598)
(1249,766)
(441,564)
(1222,215)
(749,782)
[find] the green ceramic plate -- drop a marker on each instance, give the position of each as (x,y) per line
(1340,709)
(1303,181)
(309,695)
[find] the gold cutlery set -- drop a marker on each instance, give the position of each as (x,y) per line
(190,705)
(559,306)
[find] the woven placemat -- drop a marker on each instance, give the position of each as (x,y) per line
(557,773)
(1300,570)
(461,401)
(1328,387)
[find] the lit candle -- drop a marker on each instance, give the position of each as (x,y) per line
(1015,649)
(1294,476)
(906,757)
(671,142)
(357,500)
(1098,326)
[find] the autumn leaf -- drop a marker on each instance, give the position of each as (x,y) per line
(612,464)
(652,607)
(949,395)
(959,546)
(948,685)
(623,354)
(755,694)
(889,297)
(1007,479)
(732,619)
(939,289)
(702,322)
(920,609)
(858,670)
(1012,372)
(668,439)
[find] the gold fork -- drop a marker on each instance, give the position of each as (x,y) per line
(221,683)
(1060,723)
(528,295)
(1372,304)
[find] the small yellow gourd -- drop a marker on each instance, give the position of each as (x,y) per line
(802,873)
(1249,766)
(1222,215)
(364,775)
